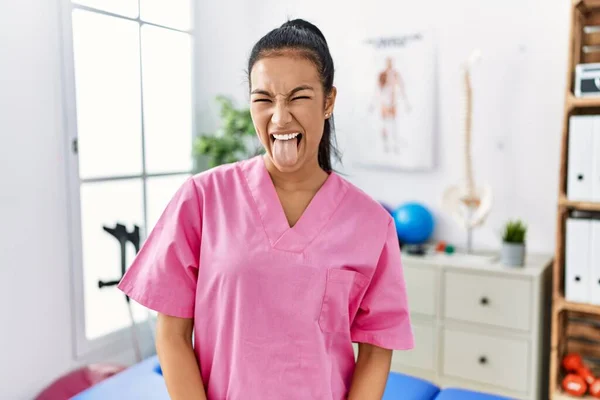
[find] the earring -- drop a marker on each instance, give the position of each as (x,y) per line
(327,115)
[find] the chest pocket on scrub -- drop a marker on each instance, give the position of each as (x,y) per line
(343,291)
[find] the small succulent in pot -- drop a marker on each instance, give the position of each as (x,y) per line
(513,243)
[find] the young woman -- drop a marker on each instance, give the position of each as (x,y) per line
(265,271)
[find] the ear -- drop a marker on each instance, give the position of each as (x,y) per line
(330,101)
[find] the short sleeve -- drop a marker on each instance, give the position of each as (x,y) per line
(383,318)
(164,274)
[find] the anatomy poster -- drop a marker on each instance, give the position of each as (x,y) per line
(396,87)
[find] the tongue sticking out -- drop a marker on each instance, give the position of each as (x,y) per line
(285,152)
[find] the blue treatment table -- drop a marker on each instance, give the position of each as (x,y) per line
(461,394)
(145,381)
(140,381)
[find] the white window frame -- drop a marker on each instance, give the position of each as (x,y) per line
(120,340)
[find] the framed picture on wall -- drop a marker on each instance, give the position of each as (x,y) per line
(395,82)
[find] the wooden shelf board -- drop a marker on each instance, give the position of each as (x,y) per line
(560,395)
(589,4)
(579,205)
(562,304)
(581,307)
(583,102)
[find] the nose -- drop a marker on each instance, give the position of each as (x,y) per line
(281,115)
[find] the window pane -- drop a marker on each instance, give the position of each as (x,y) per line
(127,8)
(107,80)
(160,190)
(173,13)
(167,85)
(106,204)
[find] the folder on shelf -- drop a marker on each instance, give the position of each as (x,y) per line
(594,282)
(580,167)
(595,178)
(577,260)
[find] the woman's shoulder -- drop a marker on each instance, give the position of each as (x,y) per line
(216,177)
(363,205)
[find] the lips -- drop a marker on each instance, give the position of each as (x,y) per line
(286,136)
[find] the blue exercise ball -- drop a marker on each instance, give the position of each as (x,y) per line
(414,223)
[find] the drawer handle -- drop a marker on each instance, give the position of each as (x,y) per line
(484,301)
(482,360)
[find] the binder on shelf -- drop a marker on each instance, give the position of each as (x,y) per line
(595,181)
(577,260)
(594,282)
(580,168)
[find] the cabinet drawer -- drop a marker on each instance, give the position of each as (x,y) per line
(422,356)
(420,288)
(497,361)
(493,300)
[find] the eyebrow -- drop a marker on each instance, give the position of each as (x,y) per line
(294,90)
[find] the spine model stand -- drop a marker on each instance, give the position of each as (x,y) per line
(467,203)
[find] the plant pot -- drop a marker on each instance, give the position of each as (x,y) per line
(513,254)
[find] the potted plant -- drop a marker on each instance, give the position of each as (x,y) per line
(234,140)
(513,243)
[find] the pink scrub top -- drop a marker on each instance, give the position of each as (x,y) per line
(275,308)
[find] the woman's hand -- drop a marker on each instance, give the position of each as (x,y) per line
(177,359)
(371,372)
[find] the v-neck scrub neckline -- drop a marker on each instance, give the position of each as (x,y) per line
(311,222)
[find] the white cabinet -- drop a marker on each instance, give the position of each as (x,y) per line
(483,299)
(487,358)
(479,325)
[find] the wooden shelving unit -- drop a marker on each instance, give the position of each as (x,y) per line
(575,326)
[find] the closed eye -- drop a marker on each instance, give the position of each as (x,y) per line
(261,101)
(301,97)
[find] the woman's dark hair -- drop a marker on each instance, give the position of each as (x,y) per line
(309,42)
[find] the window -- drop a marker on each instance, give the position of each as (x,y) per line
(129,101)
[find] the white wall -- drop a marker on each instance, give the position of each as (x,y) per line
(36,342)
(223,45)
(35,339)
(518,98)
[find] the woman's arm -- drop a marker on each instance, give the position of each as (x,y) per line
(177,358)
(371,372)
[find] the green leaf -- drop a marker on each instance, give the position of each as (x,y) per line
(514,232)
(228,143)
